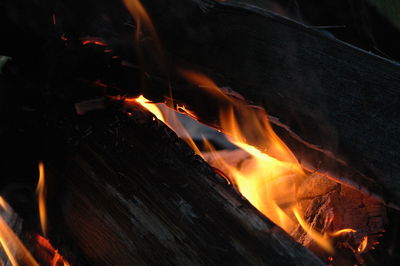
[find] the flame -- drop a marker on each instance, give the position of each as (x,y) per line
(13,247)
(268,174)
(151,107)
(16,251)
(41,194)
(363,244)
(266,182)
(142,20)
(4,205)
(342,231)
(321,240)
(169,117)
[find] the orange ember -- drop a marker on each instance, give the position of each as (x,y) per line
(56,258)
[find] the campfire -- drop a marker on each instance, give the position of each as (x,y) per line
(147,143)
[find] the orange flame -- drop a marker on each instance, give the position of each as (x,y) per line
(343,231)
(321,240)
(269,172)
(142,19)
(4,205)
(363,244)
(15,250)
(169,117)
(41,193)
(267,182)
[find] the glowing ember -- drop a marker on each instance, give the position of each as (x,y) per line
(41,194)
(93,40)
(56,258)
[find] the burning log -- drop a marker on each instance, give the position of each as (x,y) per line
(132,192)
(336,104)
(106,193)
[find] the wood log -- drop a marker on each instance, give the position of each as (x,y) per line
(332,95)
(130,191)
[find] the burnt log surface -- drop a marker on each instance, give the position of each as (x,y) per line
(331,94)
(131,192)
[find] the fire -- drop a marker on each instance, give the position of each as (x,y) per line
(343,231)
(13,247)
(318,238)
(17,253)
(41,194)
(268,179)
(270,172)
(152,108)
(139,14)
(363,244)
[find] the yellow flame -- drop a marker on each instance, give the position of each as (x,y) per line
(363,244)
(169,117)
(41,194)
(267,177)
(13,247)
(151,107)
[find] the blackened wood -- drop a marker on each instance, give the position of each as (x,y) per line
(337,97)
(131,192)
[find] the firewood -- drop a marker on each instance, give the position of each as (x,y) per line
(133,193)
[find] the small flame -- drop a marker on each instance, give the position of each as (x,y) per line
(167,116)
(322,240)
(342,231)
(41,194)
(363,244)
(13,247)
(151,107)
(4,205)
